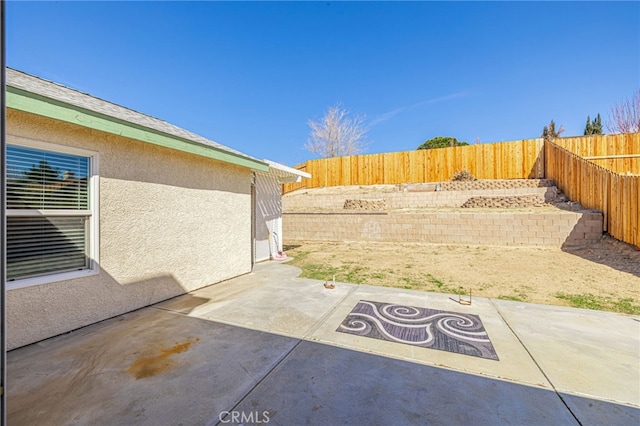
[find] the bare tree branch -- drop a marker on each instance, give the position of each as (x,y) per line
(624,117)
(337,134)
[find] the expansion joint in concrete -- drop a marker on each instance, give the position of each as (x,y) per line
(524,346)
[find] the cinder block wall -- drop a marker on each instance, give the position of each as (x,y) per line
(555,229)
(302,201)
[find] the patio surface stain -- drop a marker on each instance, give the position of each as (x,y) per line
(149,366)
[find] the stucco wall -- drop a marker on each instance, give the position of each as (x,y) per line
(170,222)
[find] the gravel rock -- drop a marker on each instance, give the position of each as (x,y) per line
(367,205)
(505,202)
(496,184)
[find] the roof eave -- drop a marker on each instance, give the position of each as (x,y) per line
(286,174)
(33,103)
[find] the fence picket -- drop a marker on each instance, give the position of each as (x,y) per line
(616,195)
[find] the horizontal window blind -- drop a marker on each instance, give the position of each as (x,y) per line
(38,179)
(42,245)
(48,212)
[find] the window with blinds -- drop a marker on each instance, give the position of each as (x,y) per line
(48,212)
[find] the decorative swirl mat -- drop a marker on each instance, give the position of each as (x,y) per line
(427,328)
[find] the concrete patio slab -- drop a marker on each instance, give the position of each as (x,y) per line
(595,412)
(226,291)
(606,345)
(265,344)
(147,367)
(339,386)
(271,299)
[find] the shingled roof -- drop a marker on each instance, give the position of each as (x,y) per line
(28,85)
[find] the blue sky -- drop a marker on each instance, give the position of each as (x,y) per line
(250,74)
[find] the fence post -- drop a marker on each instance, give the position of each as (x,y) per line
(542,165)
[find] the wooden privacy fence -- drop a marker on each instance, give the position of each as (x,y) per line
(505,160)
(618,153)
(595,187)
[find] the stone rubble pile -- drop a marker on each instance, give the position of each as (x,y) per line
(367,205)
(495,184)
(505,202)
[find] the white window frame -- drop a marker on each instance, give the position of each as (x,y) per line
(93,248)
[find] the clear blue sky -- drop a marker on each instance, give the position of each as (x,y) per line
(250,74)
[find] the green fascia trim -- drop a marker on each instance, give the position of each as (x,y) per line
(40,105)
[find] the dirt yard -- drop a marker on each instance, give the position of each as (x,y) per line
(605,276)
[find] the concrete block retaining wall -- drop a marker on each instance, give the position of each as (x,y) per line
(552,229)
(493,184)
(396,200)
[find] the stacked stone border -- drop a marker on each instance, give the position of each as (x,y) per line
(496,184)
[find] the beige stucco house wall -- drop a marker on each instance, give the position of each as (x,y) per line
(170,222)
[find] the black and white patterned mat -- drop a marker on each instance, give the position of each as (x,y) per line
(428,328)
